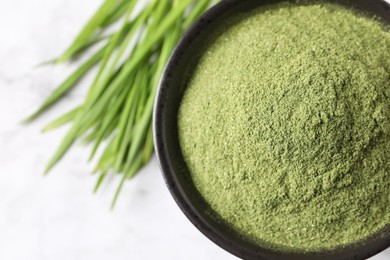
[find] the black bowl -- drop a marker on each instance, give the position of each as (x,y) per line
(175,171)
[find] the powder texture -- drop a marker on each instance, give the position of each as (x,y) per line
(285,126)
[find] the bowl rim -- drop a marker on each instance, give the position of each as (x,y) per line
(168,171)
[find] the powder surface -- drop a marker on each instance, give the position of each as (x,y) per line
(285,126)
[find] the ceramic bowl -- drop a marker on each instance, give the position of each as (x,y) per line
(174,169)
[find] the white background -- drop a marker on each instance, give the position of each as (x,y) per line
(57,217)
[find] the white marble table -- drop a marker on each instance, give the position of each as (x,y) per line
(57,217)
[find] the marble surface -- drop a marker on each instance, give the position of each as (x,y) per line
(58,217)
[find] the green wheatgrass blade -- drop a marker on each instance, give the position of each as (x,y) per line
(89,29)
(158,14)
(121,152)
(106,103)
(138,84)
(160,9)
(90,137)
(117,13)
(99,136)
(135,167)
(142,97)
(198,9)
(108,120)
(131,113)
(101,80)
(81,124)
(125,134)
(135,157)
(169,20)
(125,118)
(66,143)
(103,76)
(135,106)
(82,49)
(90,133)
(82,119)
(138,55)
(62,120)
(111,128)
(106,159)
(149,146)
(67,85)
(145,121)
(105,127)
(76,131)
(91,117)
(73,79)
(119,103)
(68,117)
(100,180)
(134,61)
(93,41)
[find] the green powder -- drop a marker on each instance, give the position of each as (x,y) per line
(285,126)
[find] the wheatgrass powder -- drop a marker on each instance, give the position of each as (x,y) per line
(285,126)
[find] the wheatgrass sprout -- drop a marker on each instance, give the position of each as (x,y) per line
(116,115)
